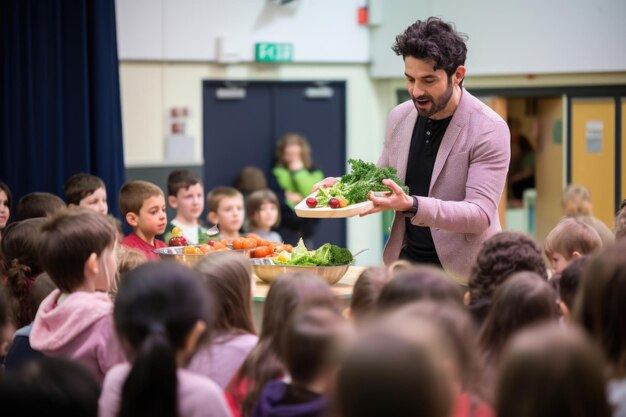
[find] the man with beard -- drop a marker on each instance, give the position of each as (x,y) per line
(452,151)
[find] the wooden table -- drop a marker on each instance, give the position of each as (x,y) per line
(342,289)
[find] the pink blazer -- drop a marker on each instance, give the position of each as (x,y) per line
(466,185)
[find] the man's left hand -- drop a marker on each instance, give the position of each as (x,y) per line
(397,200)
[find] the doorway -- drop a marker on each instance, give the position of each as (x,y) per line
(242,120)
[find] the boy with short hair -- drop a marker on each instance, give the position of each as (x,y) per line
(225,205)
(185,194)
(143,206)
(570,239)
(85,190)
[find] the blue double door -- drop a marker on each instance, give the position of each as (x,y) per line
(242,121)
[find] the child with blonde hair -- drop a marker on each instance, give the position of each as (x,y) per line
(143,206)
(78,251)
(570,239)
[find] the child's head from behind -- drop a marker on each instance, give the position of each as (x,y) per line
(78,250)
(38,205)
(228,279)
(225,206)
(500,256)
(143,206)
(392,371)
(417,283)
(160,314)
(576,201)
(366,291)
(568,284)
(263,210)
(570,239)
(456,324)
(50,386)
(88,191)
(600,308)
(250,179)
(524,299)
(20,252)
(312,343)
(185,193)
(560,371)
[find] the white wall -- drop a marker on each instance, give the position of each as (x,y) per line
(188,30)
(513,37)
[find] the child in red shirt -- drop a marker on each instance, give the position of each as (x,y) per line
(143,206)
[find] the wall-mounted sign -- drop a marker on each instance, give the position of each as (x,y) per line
(274,52)
(593,135)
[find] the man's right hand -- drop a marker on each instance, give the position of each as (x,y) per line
(326,183)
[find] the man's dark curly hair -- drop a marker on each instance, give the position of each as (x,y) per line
(499,257)
(433,40)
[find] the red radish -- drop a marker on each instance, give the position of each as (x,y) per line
(311,202)
(334,203)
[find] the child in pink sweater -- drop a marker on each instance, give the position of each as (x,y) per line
(78,251)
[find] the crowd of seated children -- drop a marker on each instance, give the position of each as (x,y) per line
(570,239)
(78,251)
(225,206)
(143,207)
(161,313)
(228,281)
(263,214)
(88,191)
(182,341)
(5,206)
(185,194)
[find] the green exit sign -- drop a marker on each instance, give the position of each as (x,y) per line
(274,52)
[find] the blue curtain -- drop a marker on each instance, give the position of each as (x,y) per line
(60,98)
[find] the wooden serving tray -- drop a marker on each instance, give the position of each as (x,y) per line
(302,210)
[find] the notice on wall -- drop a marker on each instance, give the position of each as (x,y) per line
(593,135)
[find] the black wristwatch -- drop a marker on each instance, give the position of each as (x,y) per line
(413,210)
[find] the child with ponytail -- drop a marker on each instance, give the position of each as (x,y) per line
(160,314)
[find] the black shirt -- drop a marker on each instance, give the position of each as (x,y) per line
(425,142)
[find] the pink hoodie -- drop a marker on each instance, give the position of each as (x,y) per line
(81,328)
